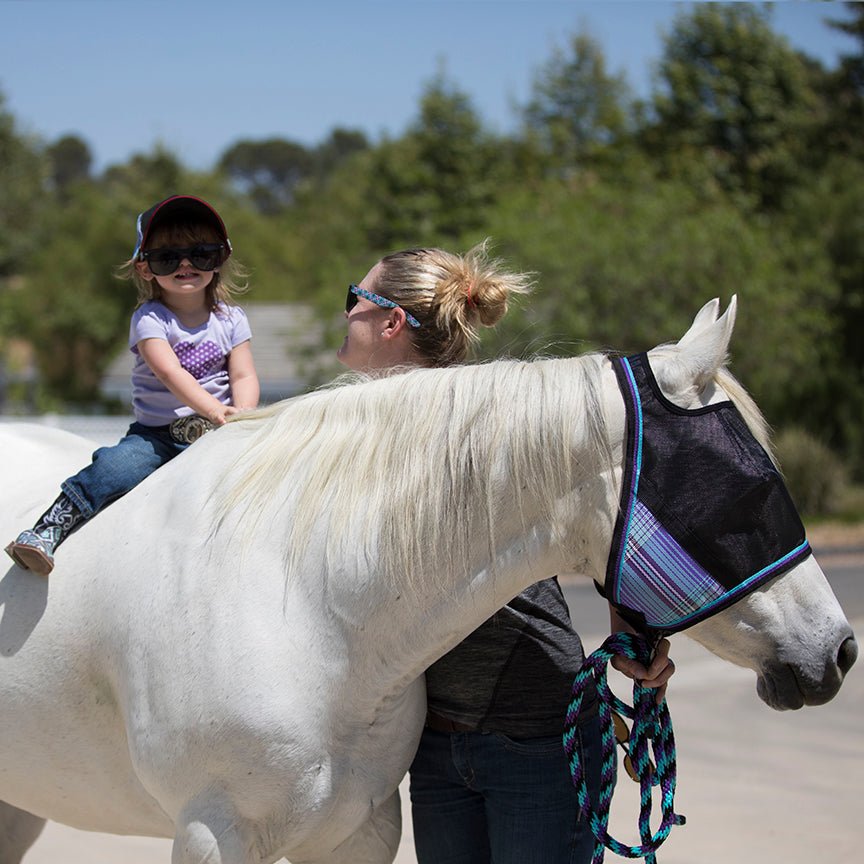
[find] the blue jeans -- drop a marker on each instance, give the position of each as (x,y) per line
(479,798)
(115,470)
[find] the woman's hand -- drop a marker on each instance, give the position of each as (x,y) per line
(658,673)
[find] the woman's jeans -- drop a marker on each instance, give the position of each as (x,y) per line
(115,470)
(479,798)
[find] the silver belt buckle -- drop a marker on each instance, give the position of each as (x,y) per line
(187,430)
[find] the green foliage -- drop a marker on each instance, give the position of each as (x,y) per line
(70,160)
(817,479)
(72,307)
(272,172)
(23,171)
(577,109)
(827,211)
(625,267)
(267,171)
(843,90)
(736,94)
(438,180)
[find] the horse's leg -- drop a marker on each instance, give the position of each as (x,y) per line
(209,833)
(18,832)
(376,841)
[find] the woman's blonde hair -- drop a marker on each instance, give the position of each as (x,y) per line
(451,295)
(226,283)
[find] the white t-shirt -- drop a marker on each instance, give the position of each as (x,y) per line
(202,351)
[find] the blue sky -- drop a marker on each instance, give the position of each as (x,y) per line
(197,75)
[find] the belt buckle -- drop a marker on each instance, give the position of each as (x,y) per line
(187,430)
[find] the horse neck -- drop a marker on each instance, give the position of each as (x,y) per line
(528,490)
(415,507)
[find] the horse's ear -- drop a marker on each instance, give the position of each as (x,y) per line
(703,348)
(699,354)
(704,317)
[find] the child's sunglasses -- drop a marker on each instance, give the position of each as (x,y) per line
(203,256)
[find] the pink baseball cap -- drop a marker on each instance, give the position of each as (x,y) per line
(178,205)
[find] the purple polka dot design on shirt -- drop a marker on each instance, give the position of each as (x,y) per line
(199,360)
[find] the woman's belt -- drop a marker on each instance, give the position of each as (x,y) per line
(443,724)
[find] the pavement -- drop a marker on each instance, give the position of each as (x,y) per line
(757,786)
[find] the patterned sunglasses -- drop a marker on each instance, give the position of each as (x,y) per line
(378,300)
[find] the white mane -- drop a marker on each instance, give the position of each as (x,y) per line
(426,441)
(432,443)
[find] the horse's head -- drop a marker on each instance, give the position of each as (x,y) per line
(708,538)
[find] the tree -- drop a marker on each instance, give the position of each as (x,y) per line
(74,310)
(627,266)
(70,160)
(736,97)
(438,179)
(339,146)
(269,171)
(577,109)
(844,90)
(145,177)
(23,172)
(826,212)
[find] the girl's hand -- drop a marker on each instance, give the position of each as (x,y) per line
(219,415)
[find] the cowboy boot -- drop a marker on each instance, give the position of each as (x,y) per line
(34,549)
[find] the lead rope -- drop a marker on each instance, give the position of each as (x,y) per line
(650,722)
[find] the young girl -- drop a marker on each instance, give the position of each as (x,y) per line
(193,366)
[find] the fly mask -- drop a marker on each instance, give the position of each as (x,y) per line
(705,517)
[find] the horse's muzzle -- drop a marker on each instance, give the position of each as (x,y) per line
(784,688)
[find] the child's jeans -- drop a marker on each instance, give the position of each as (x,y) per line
(115,470)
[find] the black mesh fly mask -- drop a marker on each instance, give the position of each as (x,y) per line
(705,517)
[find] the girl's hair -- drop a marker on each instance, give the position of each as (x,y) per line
(226,282)
(451,295)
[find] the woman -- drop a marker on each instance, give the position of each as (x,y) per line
(489,781)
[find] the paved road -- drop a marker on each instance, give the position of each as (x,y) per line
(757,786)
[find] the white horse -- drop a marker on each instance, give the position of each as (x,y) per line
(232,655)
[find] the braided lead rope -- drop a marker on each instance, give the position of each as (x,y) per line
(650,721)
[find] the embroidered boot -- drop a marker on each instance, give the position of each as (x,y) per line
(34,549)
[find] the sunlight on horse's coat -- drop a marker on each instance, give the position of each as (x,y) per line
(232,654)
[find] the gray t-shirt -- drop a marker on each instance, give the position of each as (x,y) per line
(514,674)
(202,351)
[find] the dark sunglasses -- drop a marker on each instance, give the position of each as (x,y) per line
(202,256)
(354,291)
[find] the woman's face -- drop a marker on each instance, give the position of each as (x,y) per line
(366,346)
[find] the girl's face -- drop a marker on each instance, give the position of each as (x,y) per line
(187,281)
(365,346)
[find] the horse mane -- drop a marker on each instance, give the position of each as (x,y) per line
(352,461)
(355,458)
